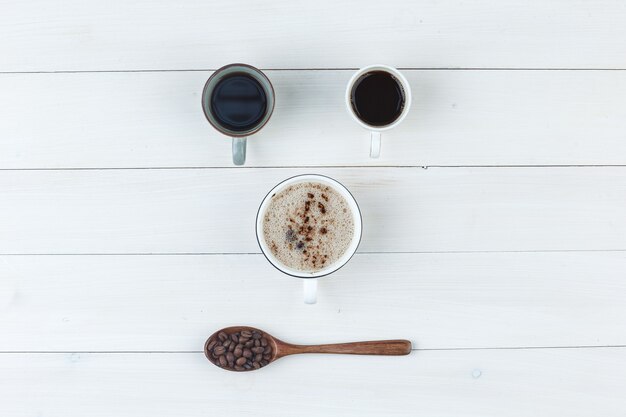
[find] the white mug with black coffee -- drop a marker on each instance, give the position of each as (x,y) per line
(378,97)
(309,226)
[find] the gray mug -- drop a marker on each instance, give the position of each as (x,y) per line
(238,100)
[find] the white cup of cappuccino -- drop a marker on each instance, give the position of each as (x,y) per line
(292,243)
(378,97)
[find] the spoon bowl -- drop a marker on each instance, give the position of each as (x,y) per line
(209,349)
(227,348)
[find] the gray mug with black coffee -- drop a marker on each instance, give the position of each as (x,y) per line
(238,100)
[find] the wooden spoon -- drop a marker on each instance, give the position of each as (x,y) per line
(250,343)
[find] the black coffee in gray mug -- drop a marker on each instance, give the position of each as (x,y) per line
(238,100)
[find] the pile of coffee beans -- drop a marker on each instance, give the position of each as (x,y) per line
(240,351)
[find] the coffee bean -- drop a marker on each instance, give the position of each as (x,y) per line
(240,351)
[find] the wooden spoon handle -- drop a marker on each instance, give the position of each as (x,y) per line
(377,347)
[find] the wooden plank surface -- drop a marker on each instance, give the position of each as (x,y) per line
(173,303)
(70,35)
(126,236)
(572,382)
(404,209)
(458,118)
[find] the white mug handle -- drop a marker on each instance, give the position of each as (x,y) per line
(375,148)
(310,290)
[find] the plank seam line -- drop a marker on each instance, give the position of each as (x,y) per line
(358,253)
(132,352)
(425,167)
(311,69)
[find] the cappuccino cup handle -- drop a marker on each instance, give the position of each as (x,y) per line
(375,148)
(310,290)
(239,151)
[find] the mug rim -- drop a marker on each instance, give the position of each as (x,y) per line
(407,96)
(309,275)
(270,111)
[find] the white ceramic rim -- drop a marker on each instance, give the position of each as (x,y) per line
(405,86)
(356,215)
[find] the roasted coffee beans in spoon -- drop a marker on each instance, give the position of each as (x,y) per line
(243,348)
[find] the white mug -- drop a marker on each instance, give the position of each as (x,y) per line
(377,130)
(310,281)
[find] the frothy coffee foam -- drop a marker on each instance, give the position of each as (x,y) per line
(308,226)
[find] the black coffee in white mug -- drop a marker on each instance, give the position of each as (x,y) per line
(238,101)
(378,97)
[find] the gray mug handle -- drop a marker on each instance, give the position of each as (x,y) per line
(239,151)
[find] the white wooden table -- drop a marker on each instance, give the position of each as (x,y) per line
(494,222)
